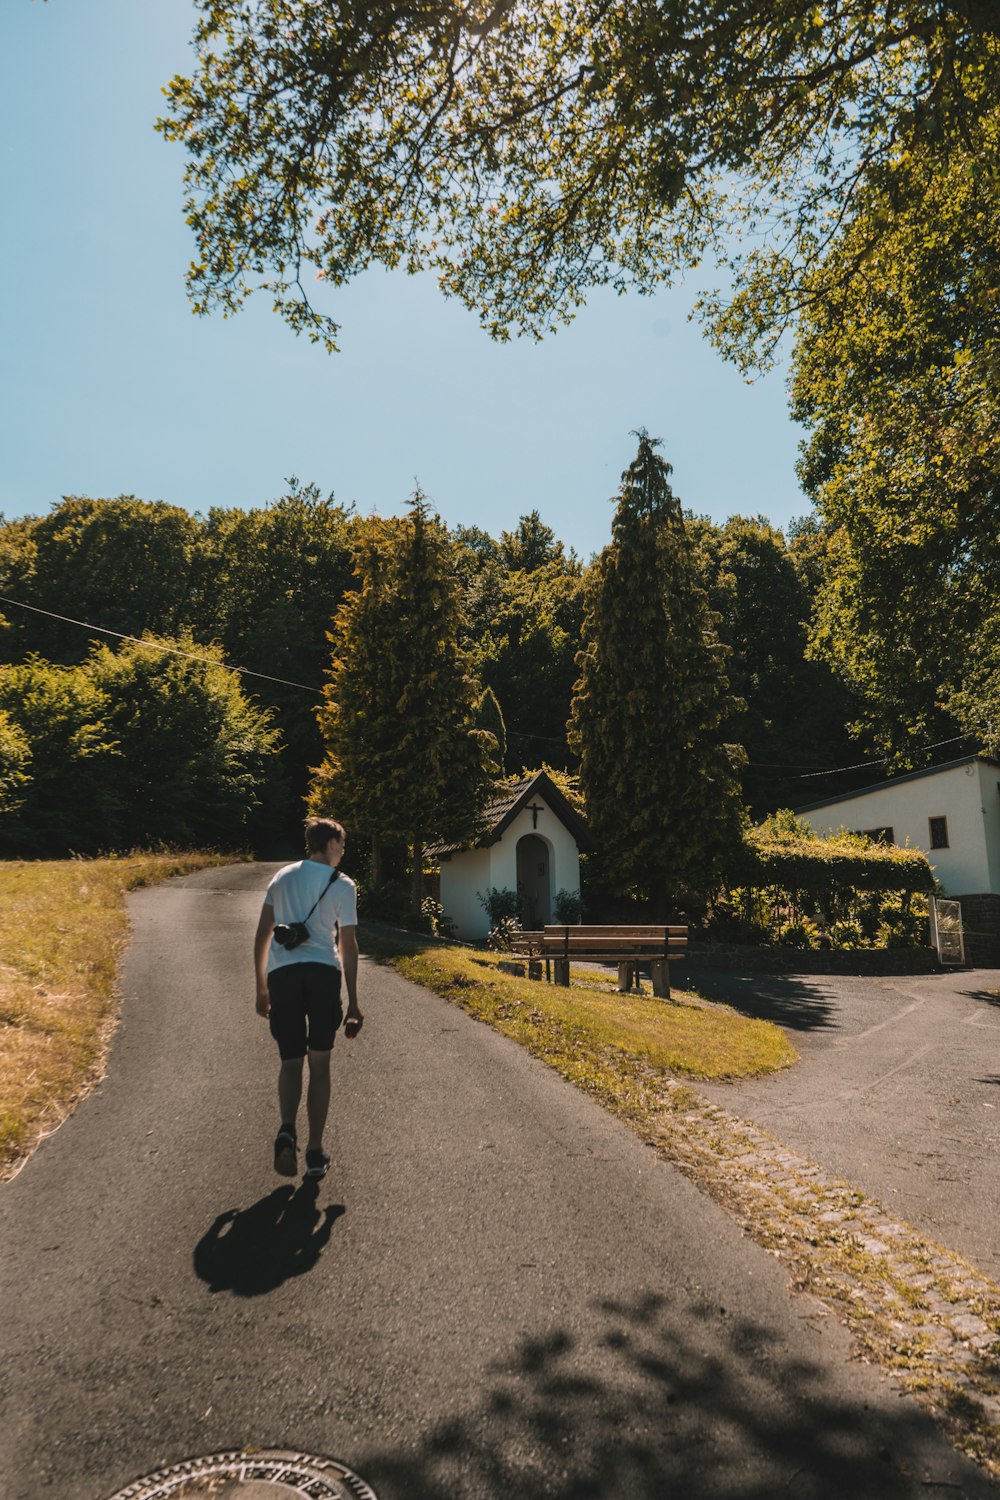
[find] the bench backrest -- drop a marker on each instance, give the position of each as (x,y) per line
(646,930)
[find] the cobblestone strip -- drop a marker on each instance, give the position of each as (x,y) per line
(923,1313)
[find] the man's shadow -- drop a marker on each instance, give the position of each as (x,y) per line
(250,1251)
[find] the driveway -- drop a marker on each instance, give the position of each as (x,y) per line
(897,1090)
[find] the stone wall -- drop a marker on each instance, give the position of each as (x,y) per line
(981,930)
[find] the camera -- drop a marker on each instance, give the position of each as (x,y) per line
(290,934)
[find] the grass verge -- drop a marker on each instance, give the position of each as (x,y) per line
(62,929)
(603,1041)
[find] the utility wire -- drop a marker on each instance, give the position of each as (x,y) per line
(208,661)
(764,765)
(520,733)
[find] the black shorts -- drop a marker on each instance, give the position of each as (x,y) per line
(305,1008)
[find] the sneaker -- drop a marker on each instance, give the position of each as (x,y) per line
(317,1163)
(285,1152)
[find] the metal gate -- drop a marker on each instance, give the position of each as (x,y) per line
(946,930)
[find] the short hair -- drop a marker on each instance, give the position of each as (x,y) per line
(320,832)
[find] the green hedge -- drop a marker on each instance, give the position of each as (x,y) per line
(821,867)
(786,885)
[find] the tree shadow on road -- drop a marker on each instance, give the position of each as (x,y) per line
(664,1401)
(988,997)
(250,1251)
(798,1004)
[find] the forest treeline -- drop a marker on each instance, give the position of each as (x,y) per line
(122,723)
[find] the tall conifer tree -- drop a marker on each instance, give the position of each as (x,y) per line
(404,757)
(661,789)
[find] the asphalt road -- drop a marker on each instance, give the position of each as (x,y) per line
(897,1090)
(497,1292)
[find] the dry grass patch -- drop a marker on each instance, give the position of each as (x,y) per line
(62,929)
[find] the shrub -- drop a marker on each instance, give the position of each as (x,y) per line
(433,919)
(389,900)
(498,903)
(846,934)
(800,933)
(789,886)
(568,907)
(500,934)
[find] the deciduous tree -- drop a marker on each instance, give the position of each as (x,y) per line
(128,565)
(897,378)
(275,576)
(193,749)
(529,153)
(794,711)
(71,803)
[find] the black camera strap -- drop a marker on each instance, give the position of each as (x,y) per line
(320,896)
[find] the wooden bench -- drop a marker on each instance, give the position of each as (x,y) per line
(628,946)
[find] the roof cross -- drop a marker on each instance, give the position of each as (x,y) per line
(534,809)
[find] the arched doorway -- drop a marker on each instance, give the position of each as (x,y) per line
(534,880)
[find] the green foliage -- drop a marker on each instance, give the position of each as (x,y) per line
(403,754)
(786,885)
(660,786)
(131,747)
(500,937)
(800,933)
(15,762)
(386,900)
(974,701)
(527,154)
(434,920)
(262,583)
(568,907)
(71,803)
(794,711)
(128,565)
(490,719)
(193,749)
(897,378)
(277,576)
(498,903)
(524,613)
(776,854)
(532,545)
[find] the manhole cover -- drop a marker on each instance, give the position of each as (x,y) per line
(267,1475)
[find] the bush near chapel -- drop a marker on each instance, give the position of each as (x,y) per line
(784,884)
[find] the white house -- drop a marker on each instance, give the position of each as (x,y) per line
(952,812)
(530,842)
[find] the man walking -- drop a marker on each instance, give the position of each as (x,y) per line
(305,946)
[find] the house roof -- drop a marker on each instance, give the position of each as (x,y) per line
(508,800)
(878,786)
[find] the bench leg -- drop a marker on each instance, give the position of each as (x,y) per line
(661,978)
(626,974)
(561,971)
(534,968)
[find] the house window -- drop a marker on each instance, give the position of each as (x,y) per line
(879,835)
(939,833)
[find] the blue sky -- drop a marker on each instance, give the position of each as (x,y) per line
(109,385)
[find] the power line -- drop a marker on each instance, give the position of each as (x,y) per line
(208,661)
(763,765)
(519,733)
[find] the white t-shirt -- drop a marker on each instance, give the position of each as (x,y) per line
(292,892)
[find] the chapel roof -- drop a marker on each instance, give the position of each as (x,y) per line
(506,802)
